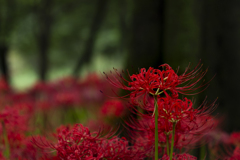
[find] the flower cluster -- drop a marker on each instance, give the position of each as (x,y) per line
(183,156)
(234,139)
(112,108)
(162,124)
(38,110)
(78,143)
(13,128)
(155,81)
(154,97)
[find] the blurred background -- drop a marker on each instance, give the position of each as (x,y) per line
(43,40)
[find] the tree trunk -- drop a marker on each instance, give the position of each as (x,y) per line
(7,23)
(85,57)
(123,25)
(3,62)
(146,35)
(221,51)
(182,33)
(44,35)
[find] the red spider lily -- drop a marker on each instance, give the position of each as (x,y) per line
(218,142)
(13,128)
(23,148)
(40,88)
(235,138)
(145,141)
(177,111)
(73,143)
(90,87)
(67,98)
(112,108)
(156,81)
(235,156)
(4,87)
(79,143)
(184,156)
(185,137)
(43,104)
(116,148)
(174,110)
(13,120)
(191,124)
(68,92)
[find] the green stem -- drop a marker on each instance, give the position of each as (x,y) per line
(167,140)
(172,142)
(156,127)
(7,148)
(203,152)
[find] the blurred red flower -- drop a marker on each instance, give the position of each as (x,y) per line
(112,108)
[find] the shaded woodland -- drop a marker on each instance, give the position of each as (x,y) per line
(52,34)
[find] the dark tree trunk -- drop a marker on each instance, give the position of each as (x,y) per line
(85,57)
(182,33)
(221,51)
(146,35)
(7,23)
(44,35)
(3,62)
(123,25)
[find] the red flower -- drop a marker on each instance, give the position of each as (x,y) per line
(174,110)
(156,81)
(112,108)
(178,111)
(13,120)
(118,148)
(79,143)
(4,87)
(235,138)
(236,154)
(191,124)
(144,140)
(184,156)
